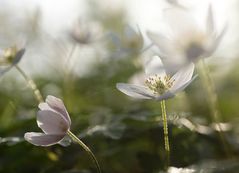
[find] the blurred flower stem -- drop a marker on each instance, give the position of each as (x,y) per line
(165,131)
(204,73)
(68,81)
(78,141)
(31,84)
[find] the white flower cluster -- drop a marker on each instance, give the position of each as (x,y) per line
(178,54)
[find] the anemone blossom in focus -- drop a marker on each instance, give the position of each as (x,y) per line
(158,84)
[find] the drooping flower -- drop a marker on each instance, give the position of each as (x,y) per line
(158,84)
(54,121)
(9,57)
(188,41)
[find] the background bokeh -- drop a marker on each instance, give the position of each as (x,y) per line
(126,135)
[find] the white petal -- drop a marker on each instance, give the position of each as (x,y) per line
(210,21)
(41,139)
(18,56)
(180,21)
(155,66)
(181,88)
(165,96)
(182,76)
(165,45)
(52,122)
(174,63)
(58,106)
(216,42)
(44,106)
(139,92)
(138,78)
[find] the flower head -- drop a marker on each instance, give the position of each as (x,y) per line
(86,32)
(158,85)
(187,42)
(10,57)
(54,121)
(130,41)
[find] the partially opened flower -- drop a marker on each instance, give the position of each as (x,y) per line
(54,121)
(188,41)
(158,84)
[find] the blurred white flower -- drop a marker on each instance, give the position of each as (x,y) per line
(54,121)
(159,85)
(188,41)
(130,41)
(86,32)
(9,57)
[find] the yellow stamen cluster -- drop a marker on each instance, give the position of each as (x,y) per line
(8,55)
(158,84)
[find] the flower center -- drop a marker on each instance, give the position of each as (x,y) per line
(192,44)
(194,51)
(158,84)
(8,55)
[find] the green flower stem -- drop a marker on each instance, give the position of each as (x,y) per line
(165,130)
(77,140)
(68,58)
(204,73)
(31,84)
(68,78)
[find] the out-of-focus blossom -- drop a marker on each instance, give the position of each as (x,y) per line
(86,33)
(129,42)
(132,40)
(54,121)
(188,41)
(10,57)
(159,85)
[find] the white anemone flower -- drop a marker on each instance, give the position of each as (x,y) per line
(158,84)
(188,41)
(54,121)
(9,57)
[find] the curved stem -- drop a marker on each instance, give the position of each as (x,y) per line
(165,130)
(77,140)
(31,84)
(213,101)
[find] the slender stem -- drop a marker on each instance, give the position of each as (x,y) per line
(69,57)
(68,77)
(31,84)
(165,130)
(213,101)
(77,140)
